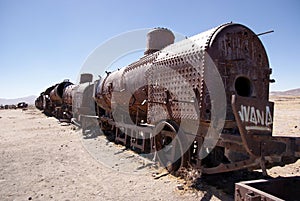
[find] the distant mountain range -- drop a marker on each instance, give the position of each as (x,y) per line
(28,99)
(292,92)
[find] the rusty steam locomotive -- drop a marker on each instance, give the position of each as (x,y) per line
(202,102)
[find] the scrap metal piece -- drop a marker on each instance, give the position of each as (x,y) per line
(278,189)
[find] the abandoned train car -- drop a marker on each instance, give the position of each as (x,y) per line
(202,102)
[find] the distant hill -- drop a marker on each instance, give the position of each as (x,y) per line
(292,92)
(28,99)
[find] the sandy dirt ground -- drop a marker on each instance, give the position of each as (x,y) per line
(42,159)
(286,123)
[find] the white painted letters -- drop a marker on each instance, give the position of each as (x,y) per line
(250,114)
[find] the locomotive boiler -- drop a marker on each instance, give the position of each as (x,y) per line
(39,101)
(61,99)
(57,100)
(202,102)
(44,103)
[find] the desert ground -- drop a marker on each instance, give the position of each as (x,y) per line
(42,159)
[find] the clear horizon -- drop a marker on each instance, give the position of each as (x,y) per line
(45,42)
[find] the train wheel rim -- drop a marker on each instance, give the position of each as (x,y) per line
(168,148)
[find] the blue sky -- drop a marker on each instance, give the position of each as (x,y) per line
(43,42)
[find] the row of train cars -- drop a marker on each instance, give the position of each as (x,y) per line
(21,105)
(147,106)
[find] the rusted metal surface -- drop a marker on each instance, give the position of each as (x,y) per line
(56,95)
(61,100)
(39,101)
(278,189)
(83,102)
(84,111)
(68,95)
(85,78)
(46,102)
(127,85)
(158,38)
(53,102)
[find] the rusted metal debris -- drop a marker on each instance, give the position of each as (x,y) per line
(278,189)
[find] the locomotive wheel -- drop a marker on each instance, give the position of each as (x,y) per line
(168,146)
